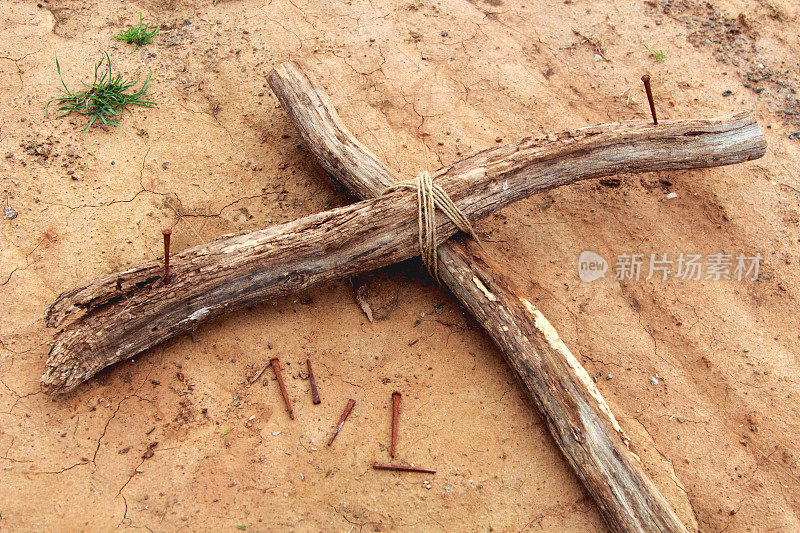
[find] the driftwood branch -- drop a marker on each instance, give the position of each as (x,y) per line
(123,314)
(579,419)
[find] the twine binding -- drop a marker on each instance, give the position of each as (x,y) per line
(429,197)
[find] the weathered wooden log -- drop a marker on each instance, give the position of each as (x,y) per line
(122,314)
(581,423)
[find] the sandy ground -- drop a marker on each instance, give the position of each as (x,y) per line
(420,82)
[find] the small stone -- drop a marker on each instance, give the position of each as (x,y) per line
(727,93)
(598,57)
(165,165)
(9,213)
(654,380)
(498,140)
(444,34)
(672,195)
(610,377)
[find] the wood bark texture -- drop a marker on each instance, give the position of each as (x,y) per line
(578,417)
(120,315)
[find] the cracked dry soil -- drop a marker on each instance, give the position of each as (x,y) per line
(179,438)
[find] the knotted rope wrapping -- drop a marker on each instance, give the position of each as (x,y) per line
(429,197)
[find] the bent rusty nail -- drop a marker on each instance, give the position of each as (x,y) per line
(646,81)
(313,381)
(395,413)
(401,468)
(166,233)
(350,403)
(277,367)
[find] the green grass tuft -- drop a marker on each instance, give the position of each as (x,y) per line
(139,35)
(106,98)
(657,55)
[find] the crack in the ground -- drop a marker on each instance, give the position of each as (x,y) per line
(19,397)
(134,394)
(19,69)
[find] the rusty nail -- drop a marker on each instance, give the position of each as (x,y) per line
(166,233)
(350,403)
(314,391)
(395,412)
(277,367)
(646,80)
(401,468)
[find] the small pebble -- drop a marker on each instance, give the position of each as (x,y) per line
(672,195)
(653,380)
(9,213)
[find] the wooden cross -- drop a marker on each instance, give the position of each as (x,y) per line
(122,314)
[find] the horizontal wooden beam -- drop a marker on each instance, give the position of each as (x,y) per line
(123,314)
